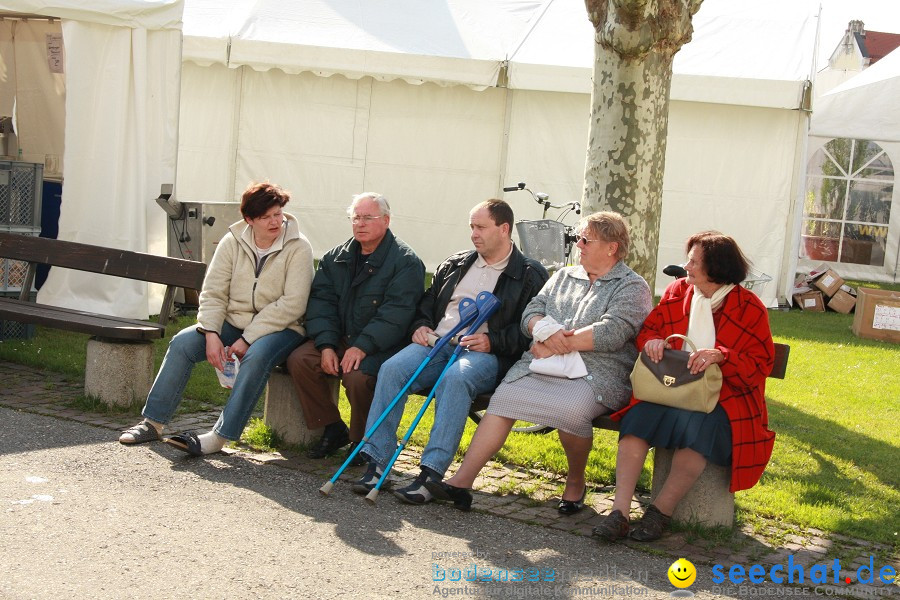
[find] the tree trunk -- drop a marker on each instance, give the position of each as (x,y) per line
(636,41)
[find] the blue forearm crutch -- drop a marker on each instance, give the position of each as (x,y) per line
(487,304)
(468,311)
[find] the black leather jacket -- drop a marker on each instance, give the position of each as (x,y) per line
(518,284)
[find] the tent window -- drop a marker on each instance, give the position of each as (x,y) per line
(849,185)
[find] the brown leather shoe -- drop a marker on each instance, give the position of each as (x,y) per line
(613,527)
(651,526)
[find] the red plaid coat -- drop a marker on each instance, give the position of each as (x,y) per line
(744,337)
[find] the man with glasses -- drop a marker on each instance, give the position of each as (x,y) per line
(363,299)
(495,265)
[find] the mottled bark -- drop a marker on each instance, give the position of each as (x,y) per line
(636,41)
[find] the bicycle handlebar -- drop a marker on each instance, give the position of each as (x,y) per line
(544,199)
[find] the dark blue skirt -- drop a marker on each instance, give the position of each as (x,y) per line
(667,427)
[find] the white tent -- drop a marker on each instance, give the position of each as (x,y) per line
(439,104)
(121,91)
(865,108)
(436,103)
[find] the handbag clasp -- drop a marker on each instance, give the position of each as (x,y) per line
(668,380)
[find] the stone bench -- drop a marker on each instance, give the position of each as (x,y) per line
(707,503)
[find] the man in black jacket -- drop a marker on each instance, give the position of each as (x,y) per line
(496,266)
(363,299)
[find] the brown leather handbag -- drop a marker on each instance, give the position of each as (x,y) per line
(670,382)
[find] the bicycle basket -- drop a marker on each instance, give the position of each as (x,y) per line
(544,241)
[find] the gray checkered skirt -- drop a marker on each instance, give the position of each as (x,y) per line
(566,404)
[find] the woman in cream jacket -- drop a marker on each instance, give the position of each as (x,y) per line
(252,306)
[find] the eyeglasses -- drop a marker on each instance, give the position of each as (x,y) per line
(579,238)
(355,219)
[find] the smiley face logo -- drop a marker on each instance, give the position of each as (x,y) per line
(682,573)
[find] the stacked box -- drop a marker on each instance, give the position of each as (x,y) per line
(833,292)
(810,301)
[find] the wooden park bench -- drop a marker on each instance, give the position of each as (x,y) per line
(119,366)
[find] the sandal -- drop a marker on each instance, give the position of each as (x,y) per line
(613,527)
(139,434)
(186,442)
(571,507)
(651,526)
(461,497)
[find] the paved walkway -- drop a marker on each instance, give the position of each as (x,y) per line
(499,491)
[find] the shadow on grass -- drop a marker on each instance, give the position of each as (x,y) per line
(830,484)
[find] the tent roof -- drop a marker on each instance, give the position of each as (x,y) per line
(145,14)
(758,53)
(864,107)
(455,42)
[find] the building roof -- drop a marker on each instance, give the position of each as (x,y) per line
(875,45)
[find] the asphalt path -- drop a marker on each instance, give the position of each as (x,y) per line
(85,517)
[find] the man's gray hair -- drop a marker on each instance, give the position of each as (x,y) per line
(380,200)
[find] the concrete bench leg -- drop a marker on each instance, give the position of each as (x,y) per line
(708,502)
(283,412)
(118,373)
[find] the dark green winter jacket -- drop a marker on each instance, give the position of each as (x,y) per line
(372,310)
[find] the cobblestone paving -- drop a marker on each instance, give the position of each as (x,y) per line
(525,495)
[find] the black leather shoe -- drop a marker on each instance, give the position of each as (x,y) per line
(358,460)
(460,497)
(570,507)
(329,443)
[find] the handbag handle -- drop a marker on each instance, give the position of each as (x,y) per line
(685,338)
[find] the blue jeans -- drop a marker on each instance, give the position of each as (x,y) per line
(473,373)
(188,347)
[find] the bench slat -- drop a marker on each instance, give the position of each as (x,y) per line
(109,261)
(116,328)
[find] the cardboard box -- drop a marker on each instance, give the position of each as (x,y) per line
(811,301)
(829,282)
(842,302)
(877,315)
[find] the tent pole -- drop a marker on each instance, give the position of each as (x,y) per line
(504,147)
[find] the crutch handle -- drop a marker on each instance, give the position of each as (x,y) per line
(372,496)
(326,489)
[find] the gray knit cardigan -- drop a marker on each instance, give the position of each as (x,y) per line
(615,306)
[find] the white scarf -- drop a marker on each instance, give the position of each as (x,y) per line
(701,329)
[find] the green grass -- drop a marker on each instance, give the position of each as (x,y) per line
(258,435)
(835,465)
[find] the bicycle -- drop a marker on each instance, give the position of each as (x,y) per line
(548,241)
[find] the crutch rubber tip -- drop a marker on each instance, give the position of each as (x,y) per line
(326,489)
(372,496)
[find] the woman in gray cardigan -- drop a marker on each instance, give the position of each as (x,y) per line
(589,313)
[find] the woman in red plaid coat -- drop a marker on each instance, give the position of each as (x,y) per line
(730,327)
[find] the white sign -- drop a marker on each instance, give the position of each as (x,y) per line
(55,58)
(886,317)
